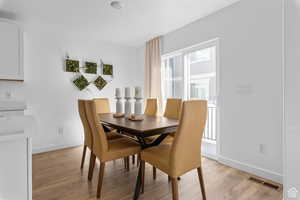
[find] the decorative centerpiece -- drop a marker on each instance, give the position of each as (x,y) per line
(119,107)
(138,116)
(127,102)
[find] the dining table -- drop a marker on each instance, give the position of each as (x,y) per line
(139,131)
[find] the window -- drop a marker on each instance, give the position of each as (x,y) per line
(190,74)
(173,77)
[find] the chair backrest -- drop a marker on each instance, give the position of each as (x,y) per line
(102,105)
(100,144)
(186,149)
(88,137)
(151,107)
(173,108)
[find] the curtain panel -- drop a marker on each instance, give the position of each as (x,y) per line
(153,71)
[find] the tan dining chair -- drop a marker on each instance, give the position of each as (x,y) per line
(173,108)
(184,154)
(151,110)
(88,137)
(102,107)
(103,149)
(151,107)
(172,111)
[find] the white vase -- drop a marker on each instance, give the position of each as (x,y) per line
(127,107)
(119,106)
(138,107)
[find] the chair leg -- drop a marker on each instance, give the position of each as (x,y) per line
(100,180)
(154,173)
(175,189)
(133,159)
(200,175)
(83,156)
(138,160)
(143,175)
(125,162)
(92,166)
(128,163)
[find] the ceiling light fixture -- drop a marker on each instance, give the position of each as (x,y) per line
(116,4)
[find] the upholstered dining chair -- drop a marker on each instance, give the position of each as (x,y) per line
(172,111)
(88,136)
(151,110)
(184,154)
(102,107)
(103,149)
(173,108)
(151,107)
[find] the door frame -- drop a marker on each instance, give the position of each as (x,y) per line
(202,45)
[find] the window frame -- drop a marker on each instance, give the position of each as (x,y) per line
(184,62)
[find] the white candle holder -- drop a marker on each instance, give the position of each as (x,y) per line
(119,105)
(138,108)
(128,107)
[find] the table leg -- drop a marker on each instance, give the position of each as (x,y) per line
(138,184)
(144,145)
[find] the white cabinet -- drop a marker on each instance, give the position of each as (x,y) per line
(11,51)
(15,155)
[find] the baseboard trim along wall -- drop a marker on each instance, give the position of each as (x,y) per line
(53,148)
(267,174)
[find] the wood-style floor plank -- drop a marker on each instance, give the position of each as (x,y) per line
(57,176)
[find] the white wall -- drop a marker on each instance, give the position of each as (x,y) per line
(49,92)
(250,34)
(292,95)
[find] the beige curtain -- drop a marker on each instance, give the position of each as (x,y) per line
(153,71)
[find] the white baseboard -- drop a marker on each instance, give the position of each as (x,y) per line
(267,174)
(210,156)
(53,148)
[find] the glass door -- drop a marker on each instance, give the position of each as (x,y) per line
(191,74)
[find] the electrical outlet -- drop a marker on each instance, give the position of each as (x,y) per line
(60,131)
(262,148)
(292,193)
(8,95)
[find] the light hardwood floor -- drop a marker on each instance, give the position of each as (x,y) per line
(57,176)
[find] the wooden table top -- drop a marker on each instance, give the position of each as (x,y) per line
(151,125)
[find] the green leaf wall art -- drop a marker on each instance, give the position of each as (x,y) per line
(90,68)
(100,83)
(72,65)
(107,69)
(81,82)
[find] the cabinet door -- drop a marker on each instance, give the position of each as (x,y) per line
(13,170)
(10,51)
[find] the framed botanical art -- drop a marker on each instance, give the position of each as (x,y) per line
(72,65)
(90,67)
(100,83)
(90,70)
(107,69)
(81,82)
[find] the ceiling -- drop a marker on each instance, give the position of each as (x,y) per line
(137,22)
